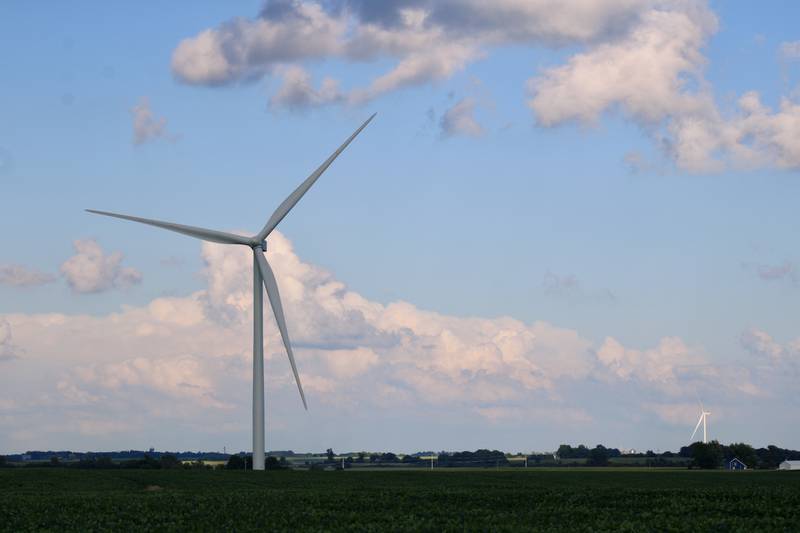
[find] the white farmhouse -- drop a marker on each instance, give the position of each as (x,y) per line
(789,465)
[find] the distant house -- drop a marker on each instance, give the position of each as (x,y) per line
(736,464)
(789,465)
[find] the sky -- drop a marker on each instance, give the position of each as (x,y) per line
(570,222)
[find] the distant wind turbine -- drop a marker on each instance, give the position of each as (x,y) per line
(703,420)
(262,273)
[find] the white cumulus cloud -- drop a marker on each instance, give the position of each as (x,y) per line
(643,59)
(91,270)
(654,75)
(7,349)
(186,361)
(428,40)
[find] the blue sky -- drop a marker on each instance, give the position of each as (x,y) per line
(558,172)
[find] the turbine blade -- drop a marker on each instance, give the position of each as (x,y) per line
(298,193)
(275,301)
(696,427)
(192,231)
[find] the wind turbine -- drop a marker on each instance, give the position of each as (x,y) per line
(703,420)
(262,273)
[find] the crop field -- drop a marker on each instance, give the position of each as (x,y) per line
(33,499)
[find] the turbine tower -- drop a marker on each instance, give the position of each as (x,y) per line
(703,420)
(262,273)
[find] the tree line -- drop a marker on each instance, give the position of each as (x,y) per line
(696,455)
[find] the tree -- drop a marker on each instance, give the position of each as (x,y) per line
(706,456)
(771,456)
(744,452)
(54,461)
(273,463)
(565,451)
(146,462)
(330,454)
(479,458)
(169,461)
(235,462)
(598,456)
(104,462)
(3,462)
(581,451)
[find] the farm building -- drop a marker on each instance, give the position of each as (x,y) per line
(789,465)
(736,464)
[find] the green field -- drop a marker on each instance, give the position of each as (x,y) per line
(480,500)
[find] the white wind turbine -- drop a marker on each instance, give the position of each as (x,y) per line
(262,273)
(703,420)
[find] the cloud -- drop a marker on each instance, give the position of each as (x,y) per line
(654,76)
(775,365)
(20,276)
(640,58)
(7,349)
(90,270)
(297,92)
(553,415)
(182,377)
(243,49)
(186,361)
(760,344)
(680,413)
(146,125)
(664,365)
(646,72)
(428,40)
(460,120)
(790,50)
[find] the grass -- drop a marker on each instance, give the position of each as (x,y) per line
(575,499)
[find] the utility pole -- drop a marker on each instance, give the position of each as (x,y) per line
(431,462)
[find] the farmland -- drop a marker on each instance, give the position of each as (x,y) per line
(504,500)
